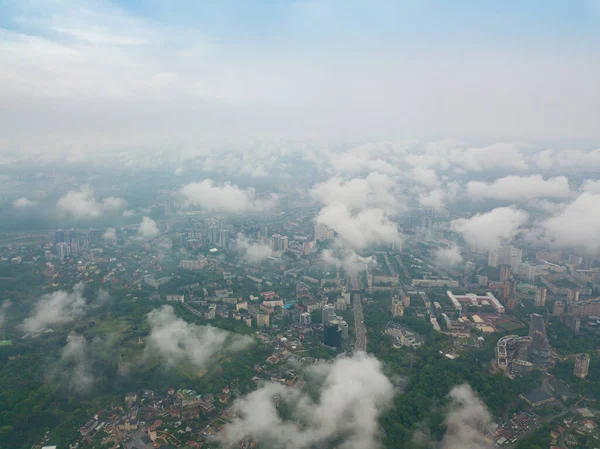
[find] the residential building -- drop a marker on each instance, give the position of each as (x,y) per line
(176,298)
(540,297)
(211,312)
(305,319)
(582,365)
(328,313)
(323,232)
(262,320)
(194,264)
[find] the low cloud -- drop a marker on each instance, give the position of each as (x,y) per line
(520,188)
(376,190)
(490,230)
(23,203)
(83,204)
(351,394)
(226,197)
(110,234)
(253,252)
(448,257)
(346,258)
(468,421)
(591,185)
(56,308)
(178,171)
(148,228)
(177,341)
(75,365)
(358,231)
(577,225)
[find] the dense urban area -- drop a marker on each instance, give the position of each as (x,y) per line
(157,333)
(299,224)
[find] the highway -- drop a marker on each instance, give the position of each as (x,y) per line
(359,324)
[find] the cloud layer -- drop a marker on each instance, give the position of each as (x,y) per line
(148,228)
(448,256)
(520,188)
(253,252)
(226,197)
(352,393)
(177,341)
(83,204)
(491,229)
(56,308)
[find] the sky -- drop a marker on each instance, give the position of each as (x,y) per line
(102,74)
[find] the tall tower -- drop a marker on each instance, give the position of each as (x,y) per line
(582,365)
(540,297)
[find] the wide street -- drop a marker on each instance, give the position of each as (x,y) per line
(359,324)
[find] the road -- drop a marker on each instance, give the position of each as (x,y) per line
(359,324)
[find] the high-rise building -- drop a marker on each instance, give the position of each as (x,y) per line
(305,319)
(397,307)
(582,365)
(279,242)
(332,334)
(559,308)
(63,250)
(262,320)
(504,273)
(573,323)
(323,232)
(540,297)
(540,347)
(75,248)
(344,329)
(94,236)
(482,281)
(223,241)
(264,231)
(527,271)
(493,258)
(213,234)
(59,236)
(573,295)
(328,313)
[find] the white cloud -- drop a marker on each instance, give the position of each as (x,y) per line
(448,256)
(75,365)
(520,188)
(347,258)
(110,234)
(376,190)
(350,395)
(491,229)
(178,171)
(438,198)
(367,227)
(577,225)
(128,213)
(23,203)
(83,204)
(148,228)
(468,421)
(177,341)
(544,159)
(226,197)
(253,252)
(56,308)
(591,185)
(424,175)
(451,155)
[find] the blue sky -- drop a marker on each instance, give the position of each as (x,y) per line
(300,69)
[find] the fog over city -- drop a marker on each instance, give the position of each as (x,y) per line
(299,224)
